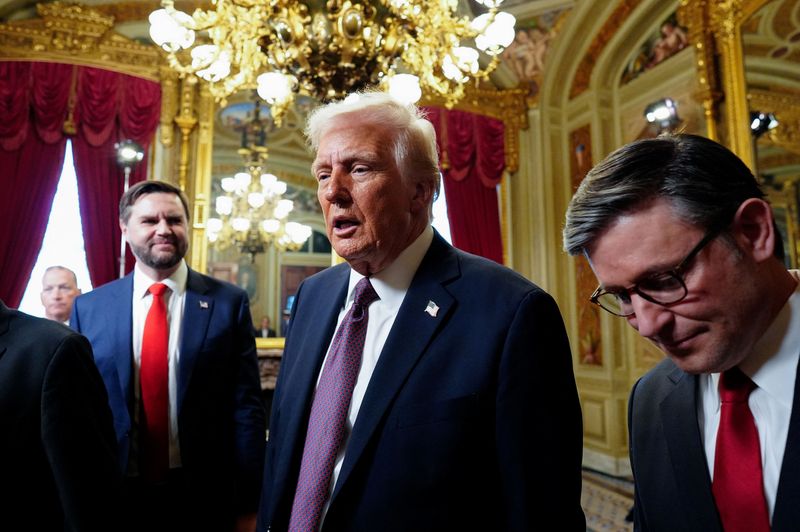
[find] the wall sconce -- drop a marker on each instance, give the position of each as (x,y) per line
(760,123)
(663,113)
(129,154)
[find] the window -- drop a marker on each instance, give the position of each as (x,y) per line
(440,221)
(63,240)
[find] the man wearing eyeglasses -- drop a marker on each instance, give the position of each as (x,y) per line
(679,235)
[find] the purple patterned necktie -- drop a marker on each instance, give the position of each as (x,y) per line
(327,424)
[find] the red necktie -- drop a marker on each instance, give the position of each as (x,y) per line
(153,375)
(327,423)
(738,485)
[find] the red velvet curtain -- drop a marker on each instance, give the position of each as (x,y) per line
(472,152)
(110,107)
(35,101)
(33,105)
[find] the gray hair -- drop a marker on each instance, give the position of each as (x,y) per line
(415,151)
(705,182)
(63,269)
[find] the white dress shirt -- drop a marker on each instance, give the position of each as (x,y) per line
(174,299)
(772,366)
(391,285)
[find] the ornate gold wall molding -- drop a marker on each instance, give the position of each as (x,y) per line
(507,105)
(80,35)
(583,75)
(715,28)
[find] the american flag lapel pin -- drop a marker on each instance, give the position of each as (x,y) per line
(204,304)
(432,309)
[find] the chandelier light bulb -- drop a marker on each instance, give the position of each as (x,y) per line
(271,225)
(240,224)
(466,59)
(279,188)
(256,200)
(224,206)
(242,181)
(267,182)
(274,87)
(228,184)
(283,208)
(493,37)
(299,233)
(405,88)
(451,70)
(214,225)
(171,31)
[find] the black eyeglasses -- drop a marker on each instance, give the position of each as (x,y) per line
(665,288)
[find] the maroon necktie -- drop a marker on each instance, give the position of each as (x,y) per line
(738,485)
(153,375)
(327,423)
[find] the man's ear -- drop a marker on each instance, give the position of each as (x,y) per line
(422,196)
(753,229)
(124,228)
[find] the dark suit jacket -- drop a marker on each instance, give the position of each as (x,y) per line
(673,487)
(471,420)
(57,452)
(221,418)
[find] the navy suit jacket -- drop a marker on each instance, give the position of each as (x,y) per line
(471,419)
(221,418)
(57,451)
(673,487)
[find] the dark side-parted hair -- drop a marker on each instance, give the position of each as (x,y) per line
(148,187)
(705,182)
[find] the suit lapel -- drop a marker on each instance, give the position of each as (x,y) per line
(682,433)
(412,332)
(121,328)
(306,345)
(196,314)
(786,515)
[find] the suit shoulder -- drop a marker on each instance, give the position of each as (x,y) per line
(479,271)
(657,382)
(102,292)
(30,334)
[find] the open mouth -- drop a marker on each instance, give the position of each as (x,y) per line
(343,226)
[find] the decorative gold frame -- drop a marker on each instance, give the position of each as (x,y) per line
(784,207)
(715,30)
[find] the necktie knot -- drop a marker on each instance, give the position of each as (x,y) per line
(157,289)
(364,294)
(735,386)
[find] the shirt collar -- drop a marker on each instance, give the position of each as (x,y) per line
(773,364)
(391,283)
(175,282)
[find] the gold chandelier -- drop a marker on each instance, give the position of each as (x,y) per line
(326,49)
(252,212)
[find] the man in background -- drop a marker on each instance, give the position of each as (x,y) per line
(265,331)
(393,411)
(176,351)
(58,454)
(59,289)
(684,246)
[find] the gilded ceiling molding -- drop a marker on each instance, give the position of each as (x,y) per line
(79,35)
(506,105)
(583,76)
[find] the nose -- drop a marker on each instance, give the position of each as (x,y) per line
(337,188)
(163,227)
(649,318)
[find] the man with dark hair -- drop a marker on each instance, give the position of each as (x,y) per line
(176,351)
(679,235)
(394,410)
(59,290)
(58,455)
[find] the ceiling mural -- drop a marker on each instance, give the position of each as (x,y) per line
(527,55)
(665,42)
